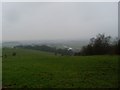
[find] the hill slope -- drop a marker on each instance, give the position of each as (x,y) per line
(35,69)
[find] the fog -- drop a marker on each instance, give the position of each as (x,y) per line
(58,21)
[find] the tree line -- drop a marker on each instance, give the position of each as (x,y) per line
(99,45)
(46,48)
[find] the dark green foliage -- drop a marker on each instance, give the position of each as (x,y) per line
(100,45)
(37,47)
(118,49)
(64,52)
(48,49)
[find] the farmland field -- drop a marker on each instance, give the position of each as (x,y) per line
(36,69)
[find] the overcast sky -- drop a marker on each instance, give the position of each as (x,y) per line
(60,20)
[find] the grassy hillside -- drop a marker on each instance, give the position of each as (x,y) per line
(0,72)
(0,67)
(35,69)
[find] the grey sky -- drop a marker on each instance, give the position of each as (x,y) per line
(47,21)
(0,23)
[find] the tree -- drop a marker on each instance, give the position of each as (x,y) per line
(97,46)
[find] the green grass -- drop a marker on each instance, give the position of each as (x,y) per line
(0,72)
(35,69)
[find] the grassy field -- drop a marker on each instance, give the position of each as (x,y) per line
(35,69)
(0,72)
